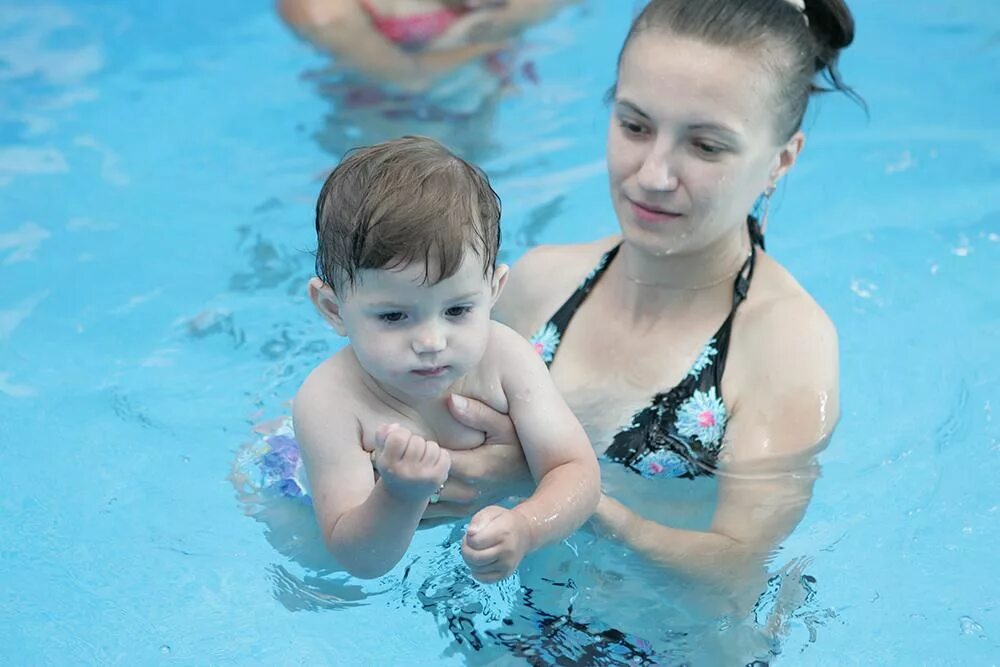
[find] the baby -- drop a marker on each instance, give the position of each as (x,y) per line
(408,235)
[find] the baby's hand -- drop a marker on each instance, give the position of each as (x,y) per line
(495,542)
(410,467)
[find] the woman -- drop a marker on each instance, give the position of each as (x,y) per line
(684,348)
(412,43)
(433,67)
(704,374)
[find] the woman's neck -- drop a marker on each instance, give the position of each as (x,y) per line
(652,285)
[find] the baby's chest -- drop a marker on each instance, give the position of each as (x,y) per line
(440,428)
(451,434)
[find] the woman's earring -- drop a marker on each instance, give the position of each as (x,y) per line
(765,206)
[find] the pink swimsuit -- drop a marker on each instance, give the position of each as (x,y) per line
(414,31)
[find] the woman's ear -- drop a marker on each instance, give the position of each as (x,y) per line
(499,280)
(327,303)
(787,156)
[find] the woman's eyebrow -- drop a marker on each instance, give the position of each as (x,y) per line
(631,107)
(715,127)
(709,126)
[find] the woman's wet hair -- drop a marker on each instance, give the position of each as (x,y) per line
(800,47)
(397,202)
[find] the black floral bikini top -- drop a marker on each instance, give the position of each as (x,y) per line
(679,434)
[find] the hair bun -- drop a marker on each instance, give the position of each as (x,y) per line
(831,24)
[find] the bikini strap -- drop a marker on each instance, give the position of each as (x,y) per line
(745,275)
(561,319)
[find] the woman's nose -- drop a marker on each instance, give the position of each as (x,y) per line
(658,173)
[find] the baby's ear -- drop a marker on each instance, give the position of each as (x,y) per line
(327,303)
(499,280)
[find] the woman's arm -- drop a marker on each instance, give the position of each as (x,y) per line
(783,416)
(755,512)
(343,30)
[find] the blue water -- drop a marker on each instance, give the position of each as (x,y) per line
(158,167)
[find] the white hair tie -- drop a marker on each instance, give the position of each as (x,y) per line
(801,6)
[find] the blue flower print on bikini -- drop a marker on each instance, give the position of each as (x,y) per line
(702,416)
(545,342)
(704,359)
(663,463)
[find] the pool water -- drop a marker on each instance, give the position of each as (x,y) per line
(159,163)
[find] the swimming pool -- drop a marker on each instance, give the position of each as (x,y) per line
(158,167)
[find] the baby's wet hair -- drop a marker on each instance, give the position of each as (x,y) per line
(401,201)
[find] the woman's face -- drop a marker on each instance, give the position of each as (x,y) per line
(692,142)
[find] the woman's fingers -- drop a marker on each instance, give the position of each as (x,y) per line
(456,490)
(497,426)
(501,469)
(469,464)
(457,499)
(448,511)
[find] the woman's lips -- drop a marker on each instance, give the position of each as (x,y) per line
(647,213)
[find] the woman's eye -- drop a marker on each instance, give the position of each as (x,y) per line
(392,317)
(631,128)
(458,311)
(709,148)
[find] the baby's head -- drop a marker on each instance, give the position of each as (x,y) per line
(403,201)
(408,235)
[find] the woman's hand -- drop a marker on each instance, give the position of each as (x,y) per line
(487,474)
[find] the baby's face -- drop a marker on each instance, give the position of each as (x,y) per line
(415,338)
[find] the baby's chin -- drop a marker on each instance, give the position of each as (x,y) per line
(427,386)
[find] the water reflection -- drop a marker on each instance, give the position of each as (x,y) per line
(438,69)
(460,115)
(579,602)
(588,600)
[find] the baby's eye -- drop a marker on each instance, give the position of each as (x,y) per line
(458,311)
(392,317)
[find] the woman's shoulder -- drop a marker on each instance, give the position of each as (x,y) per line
(782,379)
(781,333)
(543,278)
(778,301)
(567,262)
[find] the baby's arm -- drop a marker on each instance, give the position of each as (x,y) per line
(559,454)
(366,525)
